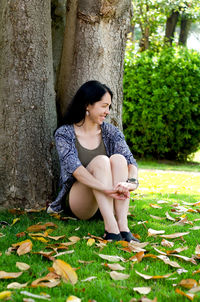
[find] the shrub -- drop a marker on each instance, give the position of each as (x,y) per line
(161,113)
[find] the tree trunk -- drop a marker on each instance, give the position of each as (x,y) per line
(94,46)
(144,42)
(184,30)
(58,17)
(27,103)
(171,26)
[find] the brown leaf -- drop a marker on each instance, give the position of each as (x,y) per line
(16,211)
(16,285)
(22,234)
(196,272)
(118,276)
(142,290)
(168,261)
(24,247)
(147,277)
(50,224)
(65,271)
(6,275)
(178,250)
(50,280)
(188,283)
(169,217)
(36,228)
(114,266)
(111,258)
(175,235)
(189,296)
(167,243)
(74,238)
(152,232)
(56,237)
(185,258)
(22,266)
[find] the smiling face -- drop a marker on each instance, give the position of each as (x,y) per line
(99,110)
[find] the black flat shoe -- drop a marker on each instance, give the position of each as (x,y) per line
(127,236)
(112,236)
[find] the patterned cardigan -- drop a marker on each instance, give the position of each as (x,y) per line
(65,138)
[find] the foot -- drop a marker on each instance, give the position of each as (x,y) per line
(112,236)
(51,210)
(127,236)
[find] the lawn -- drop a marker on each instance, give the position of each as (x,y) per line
(160,204)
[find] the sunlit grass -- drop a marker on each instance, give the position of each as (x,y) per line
(172,187)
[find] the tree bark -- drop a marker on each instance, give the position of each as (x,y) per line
(94,46)
(171,26)
(184,30)
(27,103)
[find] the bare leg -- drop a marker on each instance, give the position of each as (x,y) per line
(119,169)
(84,201)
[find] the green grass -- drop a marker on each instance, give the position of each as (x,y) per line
(173,187)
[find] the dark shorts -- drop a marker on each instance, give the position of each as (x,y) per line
(68,211)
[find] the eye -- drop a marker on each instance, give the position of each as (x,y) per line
(110,107)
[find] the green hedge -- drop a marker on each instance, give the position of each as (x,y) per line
(161,113)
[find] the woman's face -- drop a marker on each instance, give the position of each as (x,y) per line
(99,110)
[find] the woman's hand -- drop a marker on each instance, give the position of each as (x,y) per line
(117,194)
(123,186)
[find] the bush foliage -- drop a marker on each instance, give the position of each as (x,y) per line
(161,113)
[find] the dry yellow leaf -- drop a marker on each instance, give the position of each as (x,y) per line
(7,275)
(153,277)
(90,241)
(74,238)
(73,299)
(142,290)
(188,283)
(50,280)
(42,239)
(25,247)
(188,295)
(111,258)
(65,270)
(15,221)
(115,266)
(167,243)
(16,285)
(175,235)
(152,232)
(118,276)
(5,294)
(22,266)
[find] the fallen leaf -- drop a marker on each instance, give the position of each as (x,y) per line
(169,217)
(118,276)
(114,266)
(16,211)
(56,237)
(86,262)
(142,290)
(15,221)
(50,224)
(147,277)
(65,271)
(155,206)
(111,258)
(178,250)
(175,235)
(64,253)
(42,239)
(162,201)
(168,261)
(24,247)
(16,285)
(34,296)
(197,249)
(89,279)
(195,228)
(22,266)
(50,280)
(74,238)
(73,299)
(36,228)
(167,243)
(22,234)
(6,275)
(5,294)
(160,252)
(188,283)
(152,232)
(194,290)
(189,296)
(0,254)
(157,217)
(181,271)
(90,241)
(185,258)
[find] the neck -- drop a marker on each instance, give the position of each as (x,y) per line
(88,125)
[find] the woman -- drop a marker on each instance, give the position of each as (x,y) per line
(98,170)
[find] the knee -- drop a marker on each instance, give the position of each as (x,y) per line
(99,162)
(118,159)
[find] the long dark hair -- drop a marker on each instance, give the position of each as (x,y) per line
(88,94)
